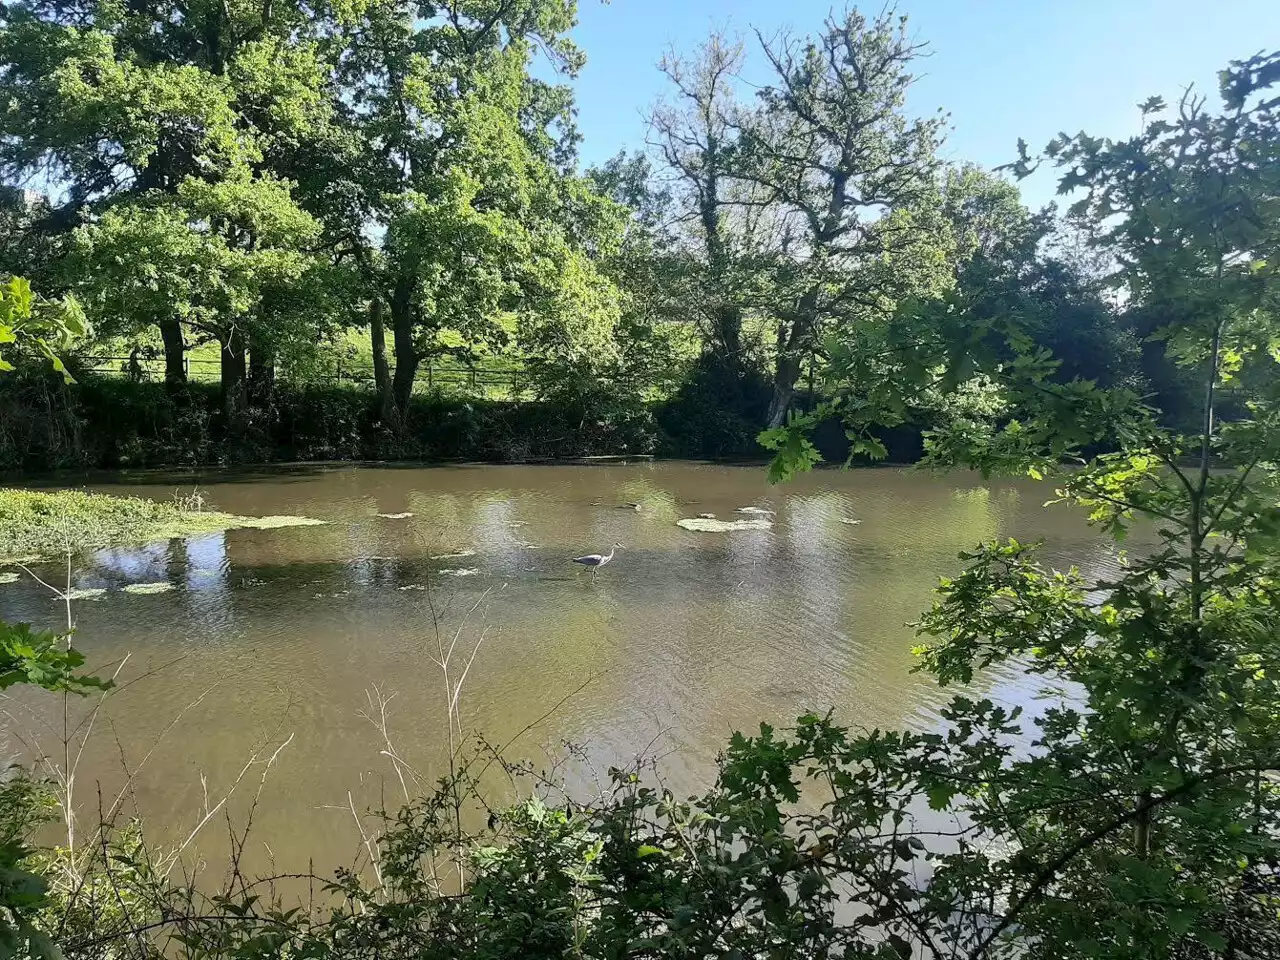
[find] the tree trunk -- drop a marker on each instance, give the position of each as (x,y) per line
(792,346)
(726,317)
(786,375)
(381,371)
(233,375)
(175,369)
(728,321)
(262,372)
(406,349)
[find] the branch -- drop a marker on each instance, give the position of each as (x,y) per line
(1047,873)
(1235,491)
(86,945)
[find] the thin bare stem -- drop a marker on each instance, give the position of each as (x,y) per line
(211,812)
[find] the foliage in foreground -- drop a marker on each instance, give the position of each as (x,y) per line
(44,659)
(32,324)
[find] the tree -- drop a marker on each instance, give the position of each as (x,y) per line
(567,333)
(25,246)
(208,256)
(1136,816)
(630,180)
(696,137)
(852,180)
(116,105)
(1017,285)
(458,168)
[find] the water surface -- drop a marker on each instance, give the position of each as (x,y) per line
(683,638)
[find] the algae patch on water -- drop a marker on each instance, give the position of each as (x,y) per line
(711,525)
(45,524)
(146,589)
(84,593)
(271,523)
(8,576)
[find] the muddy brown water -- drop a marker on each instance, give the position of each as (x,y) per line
(682,639)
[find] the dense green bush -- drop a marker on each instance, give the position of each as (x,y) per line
(110,422)
(716,412)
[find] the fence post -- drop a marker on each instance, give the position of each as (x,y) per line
(339,376)
(430,374)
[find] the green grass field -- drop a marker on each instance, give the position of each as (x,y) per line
(347,359)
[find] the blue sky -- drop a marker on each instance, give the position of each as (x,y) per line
(1002,68)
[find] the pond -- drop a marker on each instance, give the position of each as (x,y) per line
(683,638)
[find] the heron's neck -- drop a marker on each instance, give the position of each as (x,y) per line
(611,549)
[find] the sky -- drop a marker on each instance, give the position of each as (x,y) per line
(1003,69)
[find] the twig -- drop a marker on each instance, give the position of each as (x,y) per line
(211,812)
(368,845)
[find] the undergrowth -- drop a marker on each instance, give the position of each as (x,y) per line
(110,423)
(103,422)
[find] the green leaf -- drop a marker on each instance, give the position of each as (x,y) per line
(1180,921)
(1212,939)
(940,795)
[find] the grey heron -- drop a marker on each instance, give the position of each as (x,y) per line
(596,560)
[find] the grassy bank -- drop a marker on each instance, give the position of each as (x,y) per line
(34,524)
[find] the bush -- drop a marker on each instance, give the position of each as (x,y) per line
(109,423)
(717,412)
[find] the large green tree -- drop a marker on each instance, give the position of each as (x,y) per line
(112,107)
(457,190)
(415,136)
(211,256)
(852,180)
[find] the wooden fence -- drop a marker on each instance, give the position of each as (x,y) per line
(431,374)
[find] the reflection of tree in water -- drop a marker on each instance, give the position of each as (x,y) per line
(655,502)
(129,564)
(809,614)
(864,583)
(816,614)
